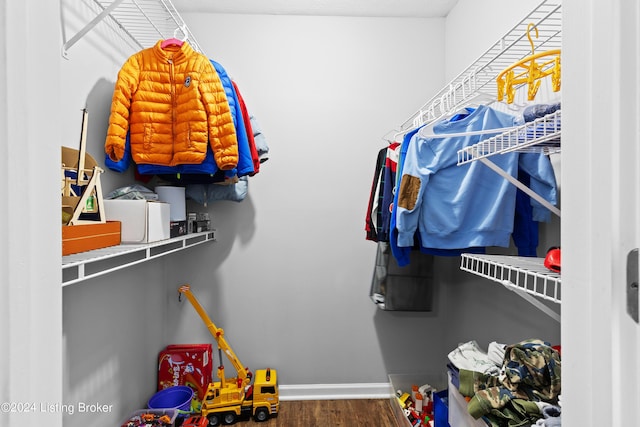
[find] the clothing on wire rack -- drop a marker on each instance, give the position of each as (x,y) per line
(207,170)
(403,254)
(381,187)
(189,166)
(142,106)
(261,142)
(520,218)
(453,206)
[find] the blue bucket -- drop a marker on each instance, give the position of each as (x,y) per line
(176,397)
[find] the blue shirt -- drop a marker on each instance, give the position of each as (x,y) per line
(453,206)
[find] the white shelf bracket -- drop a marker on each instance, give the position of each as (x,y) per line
(73,40)
(520,185)
(139,23)
(533,301)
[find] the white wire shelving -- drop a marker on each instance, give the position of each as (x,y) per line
(479,79)
(478,84)
(86,265)
(138,23)
(527,276)
(541,136)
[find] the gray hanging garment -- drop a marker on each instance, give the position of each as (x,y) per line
(408,288)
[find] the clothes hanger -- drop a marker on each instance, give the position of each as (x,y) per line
(174,41)
(533,72)
(390,137)
(456,112)
(461,100)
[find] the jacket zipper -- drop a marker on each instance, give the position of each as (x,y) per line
(173,106)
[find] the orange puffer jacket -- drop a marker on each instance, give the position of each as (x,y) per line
(173,104)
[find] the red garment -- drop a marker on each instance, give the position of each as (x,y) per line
(247,124)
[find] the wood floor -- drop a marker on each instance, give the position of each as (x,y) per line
(331,413)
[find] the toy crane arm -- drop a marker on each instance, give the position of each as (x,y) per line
(244,375)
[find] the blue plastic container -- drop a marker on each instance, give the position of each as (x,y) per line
(441,408)
(176,397)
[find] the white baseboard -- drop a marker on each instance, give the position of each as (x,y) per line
(335,391)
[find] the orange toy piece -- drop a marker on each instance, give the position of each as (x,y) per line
(148,417)
(196,421)
(165,419)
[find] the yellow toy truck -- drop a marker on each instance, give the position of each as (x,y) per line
(231,398)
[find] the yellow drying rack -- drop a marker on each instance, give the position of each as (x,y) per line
(532,72)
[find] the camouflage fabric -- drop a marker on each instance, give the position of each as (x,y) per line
(533,367)
(516,413)
(473,381)
(530,371)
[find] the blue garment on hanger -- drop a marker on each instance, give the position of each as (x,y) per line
(470,205)
(525,229)
(462,114)
(402,254)
(208,170)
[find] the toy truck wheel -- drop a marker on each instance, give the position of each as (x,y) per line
(229,418)
(214,419)
(261,414)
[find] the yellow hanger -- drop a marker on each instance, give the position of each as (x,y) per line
(533,72)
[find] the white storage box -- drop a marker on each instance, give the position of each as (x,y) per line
(458,414)
(143,221)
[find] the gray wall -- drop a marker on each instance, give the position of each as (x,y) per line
(289,276)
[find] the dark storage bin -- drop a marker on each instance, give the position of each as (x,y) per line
(408,288)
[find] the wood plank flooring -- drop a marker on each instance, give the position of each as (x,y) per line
(331,413)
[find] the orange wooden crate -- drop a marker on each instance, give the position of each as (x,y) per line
(86,237)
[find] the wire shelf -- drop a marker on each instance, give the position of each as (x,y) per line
(86,265)
(479,79)
(524,274)
(138,23)
(540,136)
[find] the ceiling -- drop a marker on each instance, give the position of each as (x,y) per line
(383,8)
